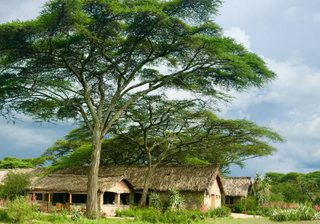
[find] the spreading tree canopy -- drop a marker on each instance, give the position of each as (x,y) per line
(156,131)
(88,60)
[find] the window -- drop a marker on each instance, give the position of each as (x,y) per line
(60,198)
(125,199)
(137,198)
(39,197)
(109,198)
(229,200)
(79,198)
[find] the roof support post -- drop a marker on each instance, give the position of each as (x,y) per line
(118,200)
(70,201)
(49,202)
(100,201)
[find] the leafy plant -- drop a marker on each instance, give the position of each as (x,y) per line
(155,201)
(303,212)
(170,216)
(14,185)
(219,212)
(76,214)
(21,210)
(175,199)
(245,205)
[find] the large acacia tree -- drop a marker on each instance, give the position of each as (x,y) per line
(89,60)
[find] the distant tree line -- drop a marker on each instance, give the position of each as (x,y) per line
(295,187)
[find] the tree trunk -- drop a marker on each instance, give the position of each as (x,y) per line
(92,186)
(143,201)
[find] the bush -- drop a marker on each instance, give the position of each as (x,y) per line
(20,210)
(4,216)
(76,214)
(248,204)
(219,212)
(155,201)
(303,212)
(154,216)
(175,200)
(14,185)
(181,216)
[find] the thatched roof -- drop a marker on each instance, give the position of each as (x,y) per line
(237,186)
(70,183)
(181,178)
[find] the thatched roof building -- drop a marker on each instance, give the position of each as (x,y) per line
(237,186)
(120,186)
(181,178)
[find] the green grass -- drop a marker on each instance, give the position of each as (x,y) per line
(253,221)
(208,221)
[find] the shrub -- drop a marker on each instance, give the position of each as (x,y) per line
(76,214)
(4,216)
(181,216)
(155,201)
(14,184)
(20,210)
(245,205)
(303,212)
(175,200)
(219,212)
(154,216)
(131,212)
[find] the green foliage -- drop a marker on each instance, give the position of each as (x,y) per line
(12,163)
(175,199)
(261,189)
(218,212)
(155,216)
(76,214)
(4,216)
(155,201)
(303,212)
(14,185)
(20,210)
(65,50)
(245,205)
(296,187)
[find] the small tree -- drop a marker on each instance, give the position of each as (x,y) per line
(14,185)
(261,189)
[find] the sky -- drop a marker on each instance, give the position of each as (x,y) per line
(284,33)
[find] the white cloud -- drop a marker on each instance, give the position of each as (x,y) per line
(22,9)
(289,105)
(316,17)
(239,35)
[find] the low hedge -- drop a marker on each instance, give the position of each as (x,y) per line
(172,216)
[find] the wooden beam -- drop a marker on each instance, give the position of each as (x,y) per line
(118,199)
(49,201)
(70,201)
